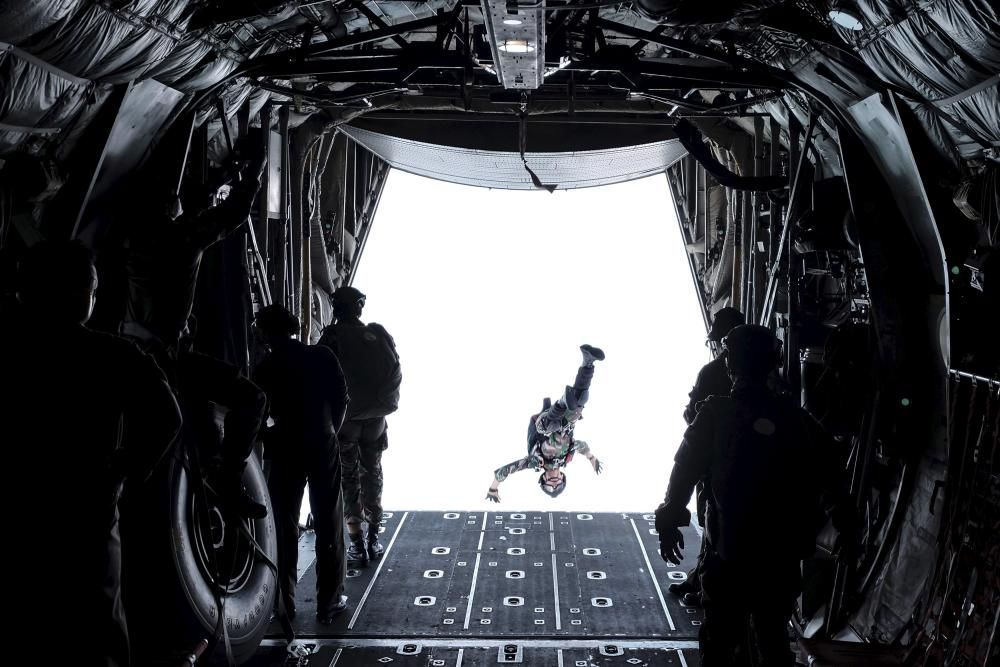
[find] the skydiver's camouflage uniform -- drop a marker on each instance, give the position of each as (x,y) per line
(553,450)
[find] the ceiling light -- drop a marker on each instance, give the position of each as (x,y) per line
(844,16)
(516,46)
(512,21)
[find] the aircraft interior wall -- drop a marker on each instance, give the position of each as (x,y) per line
(834,164)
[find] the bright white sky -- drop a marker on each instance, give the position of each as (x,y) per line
(488,294)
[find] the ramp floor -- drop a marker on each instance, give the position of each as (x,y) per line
(474,588)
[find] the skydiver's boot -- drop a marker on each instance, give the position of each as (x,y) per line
(357,552)
(375,549)
(577,395)
(591,354)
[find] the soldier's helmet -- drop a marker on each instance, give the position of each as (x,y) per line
(550,490)
(348,295)
(724,322)
(752,351)
(277,320)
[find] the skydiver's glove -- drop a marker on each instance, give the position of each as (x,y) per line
(671,545)
(596,463)
(493,495)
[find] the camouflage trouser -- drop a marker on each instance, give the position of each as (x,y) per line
(694,574)
(361,445)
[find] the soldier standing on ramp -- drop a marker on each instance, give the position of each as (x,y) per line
(368,356)
(308,396)
(756,450)
(713,380)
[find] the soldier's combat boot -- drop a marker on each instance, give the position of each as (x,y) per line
(375,549)
(357,553)
(234,496)
(591,354)
(682,588)
(691,600)
(246,506)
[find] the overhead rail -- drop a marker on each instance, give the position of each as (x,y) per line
(992,382)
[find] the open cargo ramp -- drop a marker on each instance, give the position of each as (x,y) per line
(474,588)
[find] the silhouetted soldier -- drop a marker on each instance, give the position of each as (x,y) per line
(713,380)
(367,353)
(308,398)
(164,253)
(85,415)
(551,445)
(760,454)
(165,249)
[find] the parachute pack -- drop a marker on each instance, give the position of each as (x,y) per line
(368,356)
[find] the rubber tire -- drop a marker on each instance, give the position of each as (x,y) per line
(170,603)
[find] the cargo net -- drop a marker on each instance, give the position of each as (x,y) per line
(960,623)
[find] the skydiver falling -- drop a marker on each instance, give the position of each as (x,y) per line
(551,444)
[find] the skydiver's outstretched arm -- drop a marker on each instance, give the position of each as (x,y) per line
(501,473)
(582,447)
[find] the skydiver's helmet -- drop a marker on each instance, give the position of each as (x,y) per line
(725,321)
(752,352)
(348,301)
(552,491)
(276,321)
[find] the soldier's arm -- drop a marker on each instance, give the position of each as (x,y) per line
(262,377)
(691,464)
(220,221)
(337,391)
(501,473)
(583,448)
(696,396)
